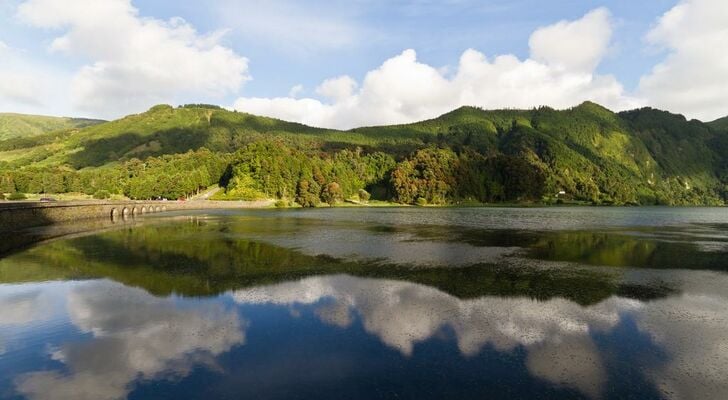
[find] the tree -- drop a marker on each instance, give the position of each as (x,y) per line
(305,195)
(404,182)
(428,173)
(521,179)
(332,193)
(243,187)
(52,182)
(7,183)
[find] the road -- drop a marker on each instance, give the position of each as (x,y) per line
(206,194)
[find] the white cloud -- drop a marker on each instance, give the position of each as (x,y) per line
(21,82)
(135,62)
(578,45)
(337,88)
(307,111)
(693,78)
(19,87)
(403,89)
(129,62)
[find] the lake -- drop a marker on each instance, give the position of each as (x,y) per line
(365,303)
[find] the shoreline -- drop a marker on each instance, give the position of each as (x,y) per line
(19,215)
(270,204)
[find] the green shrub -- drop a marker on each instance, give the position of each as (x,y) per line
(17,196)
(281,204)
(2,196)
(102,194)
(364,195)
(242,187)
(421,201)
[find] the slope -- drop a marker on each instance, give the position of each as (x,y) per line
(24,125)
(720,124)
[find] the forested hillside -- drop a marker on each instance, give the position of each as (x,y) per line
(586,153)
(720,124)
(25,125)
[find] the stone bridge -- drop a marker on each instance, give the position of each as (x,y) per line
(126,210)
(20,215)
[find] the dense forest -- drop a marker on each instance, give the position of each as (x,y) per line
(583,154)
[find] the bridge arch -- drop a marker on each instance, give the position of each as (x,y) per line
(158,209)
(144,209)
(125,212)
(114,213)
(134,211)
(164,208)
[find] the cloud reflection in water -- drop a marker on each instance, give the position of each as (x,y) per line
(135,335)
(558,335)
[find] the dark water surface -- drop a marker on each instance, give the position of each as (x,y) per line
(556,303)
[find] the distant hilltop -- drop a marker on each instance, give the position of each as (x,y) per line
(23,125)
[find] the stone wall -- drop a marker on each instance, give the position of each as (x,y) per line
(16,216)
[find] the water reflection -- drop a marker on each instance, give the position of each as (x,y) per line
(23,307)
(130,335)
(278,305)
(686,246)
(121,341)
(205,257)
(692,328)
(690,246)
(403,314)
(564,341)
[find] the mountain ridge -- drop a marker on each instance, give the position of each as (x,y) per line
(642,156)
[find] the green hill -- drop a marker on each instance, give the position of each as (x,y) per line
(24,125)
(162,130)
(587,153)
(720,124)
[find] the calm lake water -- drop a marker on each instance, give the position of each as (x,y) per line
(555,303)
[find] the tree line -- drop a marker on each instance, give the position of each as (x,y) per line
(168,176)
(272,169)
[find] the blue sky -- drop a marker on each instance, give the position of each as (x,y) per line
(271,57)
(439,31)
